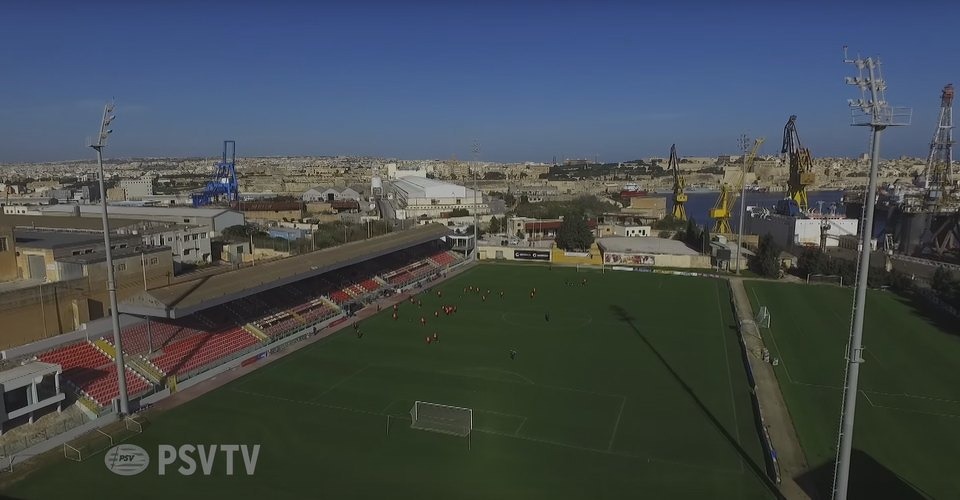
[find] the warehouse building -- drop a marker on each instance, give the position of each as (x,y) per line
(419,197)
(217,219)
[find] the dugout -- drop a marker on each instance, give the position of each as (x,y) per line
(28,388)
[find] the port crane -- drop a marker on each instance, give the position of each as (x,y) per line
(801,165)
(723,208)
(224,185)
(679,197)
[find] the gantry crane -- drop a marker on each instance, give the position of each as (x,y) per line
(679,197)
(224,184)
(801,165)
(722,210)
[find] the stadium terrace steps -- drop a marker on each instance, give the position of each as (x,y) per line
(256,332)
(145,368)
(106,348)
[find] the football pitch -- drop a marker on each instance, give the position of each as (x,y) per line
(907,435)
(629,386)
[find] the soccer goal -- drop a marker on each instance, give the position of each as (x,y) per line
(444,419)
(763,317)
(832,279)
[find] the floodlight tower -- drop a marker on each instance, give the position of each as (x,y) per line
(476,187)
(101,143)
(871,110)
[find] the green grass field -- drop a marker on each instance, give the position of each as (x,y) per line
(635,388)
(907,435)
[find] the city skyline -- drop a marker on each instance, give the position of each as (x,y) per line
(424,80)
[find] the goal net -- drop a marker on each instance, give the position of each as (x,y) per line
(763,317)
(832,279)
(441,418)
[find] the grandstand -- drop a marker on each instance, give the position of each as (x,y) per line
(198,325)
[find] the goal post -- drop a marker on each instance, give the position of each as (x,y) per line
(763,317)
(833,279)
(445,419)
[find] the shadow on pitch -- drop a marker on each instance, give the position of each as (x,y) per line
(930,313)
(869,479)
(624,316)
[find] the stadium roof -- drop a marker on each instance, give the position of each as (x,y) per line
(645,245)
(182,299)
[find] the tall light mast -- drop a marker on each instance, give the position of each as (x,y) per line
(871,110)
(101,143)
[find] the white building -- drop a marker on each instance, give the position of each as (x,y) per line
(792,231)
(416,197)
(189,245)
(137,189)
(332,193)
(632,231)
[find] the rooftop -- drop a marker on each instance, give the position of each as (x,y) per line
(48,222)
(645,245)
(24,374)
(119,253)
(56,239)
(420,187)
(136,211)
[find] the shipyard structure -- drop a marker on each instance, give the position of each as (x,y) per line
(921,217)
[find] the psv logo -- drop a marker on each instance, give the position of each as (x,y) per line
(126,459)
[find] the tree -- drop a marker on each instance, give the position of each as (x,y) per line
(459,212)
(705,239)
(53,201)
(766,262)
(494,225)
(574,234)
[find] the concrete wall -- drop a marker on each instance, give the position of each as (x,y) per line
(656,260)
(8,255)
(50,309)
(524,254)
(592,257)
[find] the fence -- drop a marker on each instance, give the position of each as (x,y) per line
(744,324)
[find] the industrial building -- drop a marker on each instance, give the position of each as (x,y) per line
(791,231)
(334,193)
(217,219)
(419,197)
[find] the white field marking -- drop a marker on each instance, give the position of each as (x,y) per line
(517,432)
(497,433)
(341,381)
(726,359)
(616,425)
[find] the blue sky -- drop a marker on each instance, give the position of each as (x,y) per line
(528,80)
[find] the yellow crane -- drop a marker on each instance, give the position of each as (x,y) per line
(679,197)
(801,165)
(722,210)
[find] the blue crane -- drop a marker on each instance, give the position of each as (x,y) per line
(223,187)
